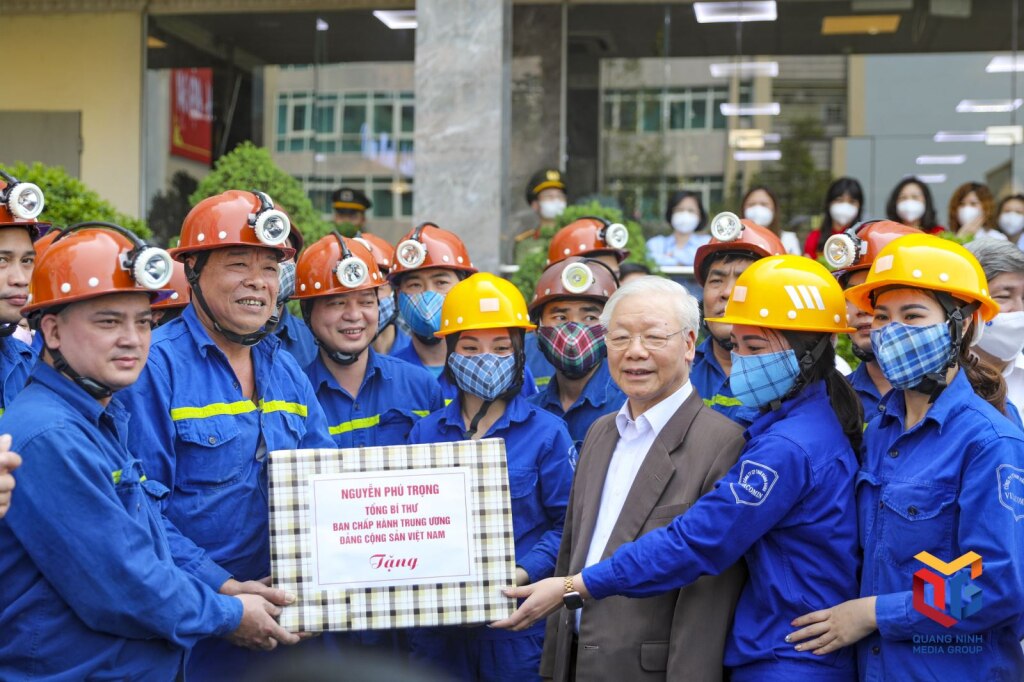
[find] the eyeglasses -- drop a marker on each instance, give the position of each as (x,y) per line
(620,341)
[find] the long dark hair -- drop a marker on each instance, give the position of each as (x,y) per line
(985,379)
(817,359)
(835,190)
(928,219)
(685,194)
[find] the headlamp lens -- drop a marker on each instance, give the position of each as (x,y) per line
(411,253)
(726,227)
(840,251)
(26,201)
(577,278)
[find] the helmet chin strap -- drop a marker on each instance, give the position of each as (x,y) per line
(96,389)
(862,355)
(337,356)
(7,329)
(726,344)
(934,383)
(192,274)
(807,361)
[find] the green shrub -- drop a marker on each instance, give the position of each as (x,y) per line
(532,264)
(248,167)
(69,201)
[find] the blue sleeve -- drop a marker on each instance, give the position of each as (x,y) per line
(770,478)
(102,562)
(529,383)
(436,399)
(317,433)
(991,523)
(657,254)
(151,438)
(556,466)
(1013,415)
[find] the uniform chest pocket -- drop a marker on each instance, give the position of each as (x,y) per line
(521,482)
(917,518)
(394,428)
(209,456)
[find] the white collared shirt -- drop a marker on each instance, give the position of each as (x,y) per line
(635,440)
(1014,375)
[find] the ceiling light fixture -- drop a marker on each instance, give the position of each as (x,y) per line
(763,155)
(871,24)
(722,12)
(936,179)
(397,19)
(951,136)
(941,160)
(1005,64)
(744,69)
(765,109)
(1004,135)
(988,106)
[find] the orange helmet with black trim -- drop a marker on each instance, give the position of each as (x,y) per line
(589,236)
(429,246)
(730,233)
(335,265)
(235,218)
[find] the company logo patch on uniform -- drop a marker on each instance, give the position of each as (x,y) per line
(1011,489)
(755,484)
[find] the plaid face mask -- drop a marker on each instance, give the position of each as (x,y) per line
(573,348)
(422,312)
(387,309)
(757,380)
(906,353)
(286,279)
(486,375)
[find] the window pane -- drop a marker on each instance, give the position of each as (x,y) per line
(718,120)
(407,204)
(325,120)
(282,119)
(299,118)
(609,111)
(281,145)
(649,206)
(354,119)
(677,116)
(405,145)
(408,118)
(383,203)
(383,118)
(297,145)
(351,145)
(627,113)
(652,115)
(699,113)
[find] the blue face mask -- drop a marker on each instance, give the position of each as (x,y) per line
(757,380)
(486,375)
(422,312)
(906,353)
(386,311)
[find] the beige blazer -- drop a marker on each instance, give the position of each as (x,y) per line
(679,635)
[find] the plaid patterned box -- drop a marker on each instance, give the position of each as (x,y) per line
(404,602)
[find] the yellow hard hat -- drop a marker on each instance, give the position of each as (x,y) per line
(787,292)
(483,301)
(924,261)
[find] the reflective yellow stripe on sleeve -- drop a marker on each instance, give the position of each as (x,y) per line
(354,425)
(724,401)
(239,407)
(116,475)
(421,413)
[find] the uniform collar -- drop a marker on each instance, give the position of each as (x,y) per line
(320,373)
(860,380)
(285,326)
(201,336)
(597,391)
(516,410)
(706,352)
(952,399)
(76,397)
(13,349)
(812,392)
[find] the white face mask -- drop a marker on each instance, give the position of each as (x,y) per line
(685,222)
(1004,336)
(967,214)
(762,215)
(551,209)
(1011,222)
(910,210)
(843,213)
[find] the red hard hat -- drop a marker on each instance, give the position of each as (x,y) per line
(735,235)
(382,250)
(429,246)
(335,265)
(573,278)
(235,218)
(856,248)
(181,292)
(20,203)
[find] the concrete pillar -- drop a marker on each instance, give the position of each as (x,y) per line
(463,61)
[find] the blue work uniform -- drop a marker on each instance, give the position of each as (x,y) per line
(712,385)
(392,397)
(91,588)
(788,508)
(401,342)
(541,460)
(542,370)
(16,361)
(450,391)
(866,390)
(207,442)
(600,396)
(297,339)
(952,483)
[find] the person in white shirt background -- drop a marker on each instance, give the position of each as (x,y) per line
(1002,340)
(762,206)
(970,212)
(1010,218)
(685,213)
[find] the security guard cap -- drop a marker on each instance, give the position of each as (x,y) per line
(547,178)
(350,199)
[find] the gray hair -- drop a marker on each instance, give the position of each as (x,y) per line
(997,256)
(684,304)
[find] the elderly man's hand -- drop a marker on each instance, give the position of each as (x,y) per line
(258,629)
(542,598)
(262,588)
(9,461)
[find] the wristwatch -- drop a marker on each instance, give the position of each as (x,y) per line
(572,599)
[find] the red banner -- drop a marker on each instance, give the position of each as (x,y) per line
(192,114)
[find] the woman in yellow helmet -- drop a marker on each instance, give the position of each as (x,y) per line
(940,492)
(787,506)
(483,321)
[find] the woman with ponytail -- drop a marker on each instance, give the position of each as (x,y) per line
(940,492)
(483,322)
(787,506)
